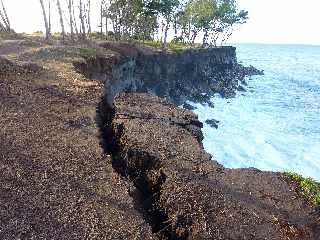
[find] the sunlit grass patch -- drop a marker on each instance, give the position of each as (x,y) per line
(171,45)
(309,188)
(88,52)
(59,53)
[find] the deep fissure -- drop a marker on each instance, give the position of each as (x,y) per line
(146,194)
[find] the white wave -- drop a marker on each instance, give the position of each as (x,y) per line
(276,125)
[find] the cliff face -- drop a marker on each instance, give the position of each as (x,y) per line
(183,193)
(176,76)
(150,180)
(179,190)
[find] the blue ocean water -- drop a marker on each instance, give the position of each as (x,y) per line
(275,125)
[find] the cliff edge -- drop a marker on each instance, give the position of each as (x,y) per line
(184,194)
(74,166)
(189,74)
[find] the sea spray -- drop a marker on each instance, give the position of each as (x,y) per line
(275,124)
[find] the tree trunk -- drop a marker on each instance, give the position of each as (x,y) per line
(74,20)
(2,27)
(50,16)
(205,36)
(107,33)
(114,28)
(88,17)
(189,31)
(164,45)
(215,39)
(226,36)
(7,22)
(162,26)
(45,20)
(175,28)
(101,20)
(61,20)
(194,35)
(71,20)
(81,16)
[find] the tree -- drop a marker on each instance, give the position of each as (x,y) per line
(5,19)
(104,15)
(166,10)
(61,20)
(88,16)
(70,5)
(230,17)
(129,19)
(201,13)
(82,20)
(139,19)
(216,19)
(184,24)
(74,20)
(3,24)
(50,16)
(48,33)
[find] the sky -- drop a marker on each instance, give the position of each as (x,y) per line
(270,21)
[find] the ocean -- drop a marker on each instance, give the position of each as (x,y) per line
(275,124)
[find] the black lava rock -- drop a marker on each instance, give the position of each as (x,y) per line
(188,106)
(241,89)
(213,123)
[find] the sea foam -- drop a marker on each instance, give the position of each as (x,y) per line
(275,125)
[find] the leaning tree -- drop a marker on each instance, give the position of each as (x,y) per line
(4,19)
(46,22)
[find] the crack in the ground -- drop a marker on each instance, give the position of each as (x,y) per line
(142,170)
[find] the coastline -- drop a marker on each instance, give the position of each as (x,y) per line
(152,159)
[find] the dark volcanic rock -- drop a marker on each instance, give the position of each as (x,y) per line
(241,88)
(190,74)
(188,106)
(184,194)
(242,72)
(251,70)
(176,76)
(213,123)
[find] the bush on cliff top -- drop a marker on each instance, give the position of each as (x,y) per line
(309,188)
(171,45)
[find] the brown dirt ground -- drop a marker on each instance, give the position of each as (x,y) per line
(202,199)
(56,182)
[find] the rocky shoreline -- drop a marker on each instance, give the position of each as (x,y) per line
(191,74)
(183,193)
(75,166)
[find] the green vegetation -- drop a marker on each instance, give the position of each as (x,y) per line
(142,20)
(171,45)
(9,35)
(308,187)
(88,52)
(150,20)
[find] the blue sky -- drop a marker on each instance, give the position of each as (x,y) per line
(271,21)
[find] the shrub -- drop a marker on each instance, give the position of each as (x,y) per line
(309,188)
